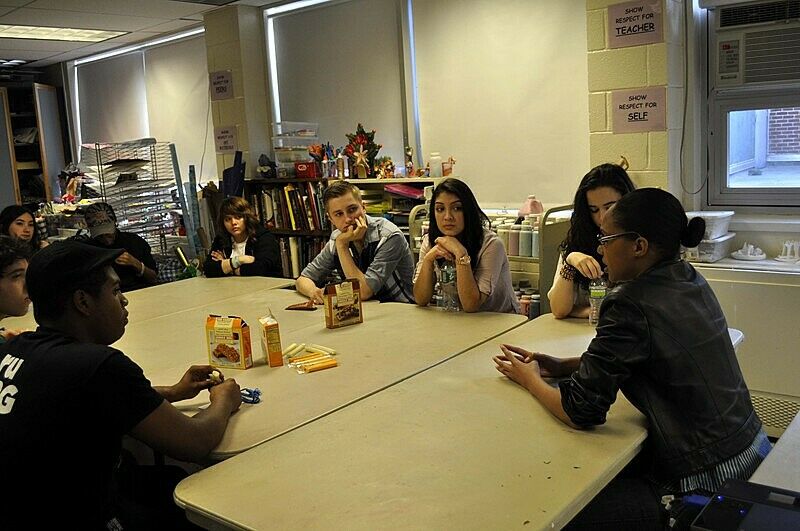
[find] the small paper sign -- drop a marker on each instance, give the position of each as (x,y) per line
(639,110)
(635,23)
(225,139)
(221,85)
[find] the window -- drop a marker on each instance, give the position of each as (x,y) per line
(754,106)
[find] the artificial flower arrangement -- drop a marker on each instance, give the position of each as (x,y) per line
(361,150)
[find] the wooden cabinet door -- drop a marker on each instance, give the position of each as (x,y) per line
(9,186)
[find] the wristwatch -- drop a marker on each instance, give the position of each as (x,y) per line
(464,260)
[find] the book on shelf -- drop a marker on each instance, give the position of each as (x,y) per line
(293,223)
(405,190)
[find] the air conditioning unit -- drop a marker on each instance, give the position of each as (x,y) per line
(754,44)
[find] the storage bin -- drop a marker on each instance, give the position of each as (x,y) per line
(716,222)
(710,250)
(295,129)
(291,155)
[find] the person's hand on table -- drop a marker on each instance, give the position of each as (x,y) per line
(549,367)
(318,296)
(194,380)
(229,392)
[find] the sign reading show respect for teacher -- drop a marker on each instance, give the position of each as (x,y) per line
(639,110)
(635,23)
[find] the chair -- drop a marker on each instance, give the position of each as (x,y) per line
(551,233)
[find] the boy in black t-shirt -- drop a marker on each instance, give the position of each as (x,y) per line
(67,398)
(135,267)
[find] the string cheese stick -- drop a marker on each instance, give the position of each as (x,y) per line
(319,366)
(321,348)
(288,349)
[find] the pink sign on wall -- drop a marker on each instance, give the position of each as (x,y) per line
(639,110)
(635,23)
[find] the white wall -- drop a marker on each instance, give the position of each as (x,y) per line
(176,76)
(503,88)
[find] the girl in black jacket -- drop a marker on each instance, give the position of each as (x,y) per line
(242,247)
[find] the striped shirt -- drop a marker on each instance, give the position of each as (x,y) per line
(740,466)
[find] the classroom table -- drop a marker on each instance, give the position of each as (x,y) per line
(394,342)
(164,299)
(455,447)
(781,468)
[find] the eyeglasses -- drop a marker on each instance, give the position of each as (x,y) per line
(603,240)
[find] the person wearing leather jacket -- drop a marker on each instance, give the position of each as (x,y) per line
(663,341)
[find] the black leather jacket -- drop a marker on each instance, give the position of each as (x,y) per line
(262,246)
(663,341)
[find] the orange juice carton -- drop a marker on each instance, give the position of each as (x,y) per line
(343,304)
(271,340)
(228,340)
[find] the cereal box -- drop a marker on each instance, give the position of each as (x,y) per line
(343,304)
(271,341)
(228,340)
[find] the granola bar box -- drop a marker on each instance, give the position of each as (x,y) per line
(343,304)
(228,340)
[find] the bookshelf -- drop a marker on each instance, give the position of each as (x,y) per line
(293,212)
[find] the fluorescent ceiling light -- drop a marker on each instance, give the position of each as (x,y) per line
(56,34)
(140,46)
(293,6)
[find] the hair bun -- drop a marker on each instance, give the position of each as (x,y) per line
(693,232)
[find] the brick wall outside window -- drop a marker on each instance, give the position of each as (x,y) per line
(784,130)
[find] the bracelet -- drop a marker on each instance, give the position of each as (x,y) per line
(235,263)
(141,271)
(567,272)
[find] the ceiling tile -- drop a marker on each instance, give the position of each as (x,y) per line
(39,45)
(172,25)
(157,8)
(28,55)
(73,19)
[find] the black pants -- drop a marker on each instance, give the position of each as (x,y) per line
(143,496)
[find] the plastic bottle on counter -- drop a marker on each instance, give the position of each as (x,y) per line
(530,206)
(502,233)
(536,306)
(435,165)
(524,305)
(598,287)
(535,243)
(513,240)
(525,239)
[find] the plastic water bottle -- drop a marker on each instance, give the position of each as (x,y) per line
(449,301)
(597,292)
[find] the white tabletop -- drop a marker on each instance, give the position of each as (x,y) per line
(455,447)
(394,342)
(781,468)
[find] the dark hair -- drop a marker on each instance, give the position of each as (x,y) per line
(658,217)
(11,251)
(582,234)
(338,189)
(52,304)
(7,217)
(240,208)
(474,218)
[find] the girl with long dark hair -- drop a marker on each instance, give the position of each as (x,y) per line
(19,223)
(459,233)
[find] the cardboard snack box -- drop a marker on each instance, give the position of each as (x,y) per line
(271,341)
(343,304)
(228,340)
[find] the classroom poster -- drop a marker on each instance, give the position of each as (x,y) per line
(639,110)
(221,85)
(225,139)
(635,23)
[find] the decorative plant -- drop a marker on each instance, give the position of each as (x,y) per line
(361,150)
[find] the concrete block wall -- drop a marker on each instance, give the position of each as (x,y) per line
(653,156)
(235,41)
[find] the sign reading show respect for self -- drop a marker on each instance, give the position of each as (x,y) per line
(639,110)
(635,23)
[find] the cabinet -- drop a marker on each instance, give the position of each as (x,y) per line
(34,155)
(293,212)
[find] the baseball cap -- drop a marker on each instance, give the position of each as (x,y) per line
(61,264)
(100,219)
